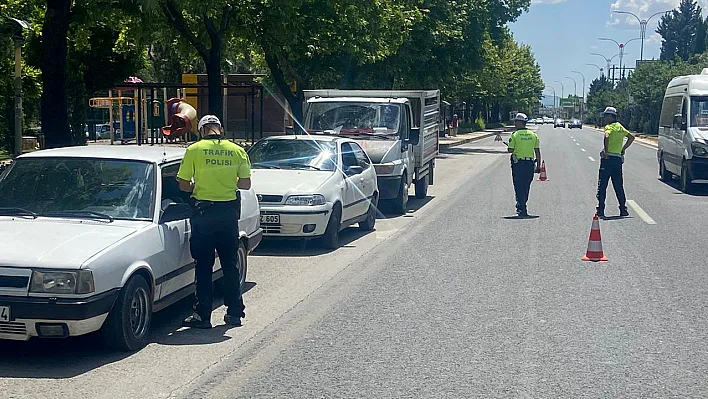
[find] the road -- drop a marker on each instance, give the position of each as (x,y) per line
(456,299)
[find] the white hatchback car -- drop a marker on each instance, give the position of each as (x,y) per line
(313,186)
(97,237)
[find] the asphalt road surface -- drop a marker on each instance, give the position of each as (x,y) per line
(456,299)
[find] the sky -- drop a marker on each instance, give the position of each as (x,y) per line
(563,33)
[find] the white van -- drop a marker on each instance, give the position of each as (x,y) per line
(683,131)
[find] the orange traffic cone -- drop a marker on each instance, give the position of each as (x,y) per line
(543,176)
(594,253)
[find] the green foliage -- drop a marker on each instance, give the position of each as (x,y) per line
(682,31)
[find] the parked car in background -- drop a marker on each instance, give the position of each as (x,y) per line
(575,123)
(532,121)
(97,238)
(313,186)
(558,123)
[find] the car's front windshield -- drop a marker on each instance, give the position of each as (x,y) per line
(699,112)
(294,154)
(51,186)
(355,118)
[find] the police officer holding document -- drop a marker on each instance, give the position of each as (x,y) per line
(213,170)
(525,150)
(612,158)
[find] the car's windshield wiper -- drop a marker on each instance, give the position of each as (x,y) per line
(382,136)
(79,214)
(302,165)
(264,166)
(12,211)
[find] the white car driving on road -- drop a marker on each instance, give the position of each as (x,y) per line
(97,238)
(313,186)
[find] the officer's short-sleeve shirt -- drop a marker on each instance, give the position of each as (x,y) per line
(524,142)
(215,166)
(616,134)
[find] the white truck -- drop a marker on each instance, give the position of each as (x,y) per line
(399,130)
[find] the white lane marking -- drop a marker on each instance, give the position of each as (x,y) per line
(591,158)
(583,149)
(640,212)
(577,143)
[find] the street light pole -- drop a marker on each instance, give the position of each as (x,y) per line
(562,93)
(575,93)
(598,67)
(17,27)
(608,60)
(642,26)
(582,103)
(555,113)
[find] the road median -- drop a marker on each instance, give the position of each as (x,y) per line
(464,138)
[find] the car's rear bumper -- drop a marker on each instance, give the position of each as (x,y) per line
(75,316)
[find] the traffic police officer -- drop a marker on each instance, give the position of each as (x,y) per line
(612,158)
(213,169)
(525,150)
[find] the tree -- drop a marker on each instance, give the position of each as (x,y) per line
(680,31)
(207,26)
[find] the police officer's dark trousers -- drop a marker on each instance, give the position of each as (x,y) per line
(215,228)
(611,168)
(522,175)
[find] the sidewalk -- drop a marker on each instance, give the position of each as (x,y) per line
(464,138)
(646,139)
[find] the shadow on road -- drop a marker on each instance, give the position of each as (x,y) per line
(699,190)
(293,247)
(71,357)
(467,150)
(517,217)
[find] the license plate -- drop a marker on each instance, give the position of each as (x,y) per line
(5,313)
(270,219)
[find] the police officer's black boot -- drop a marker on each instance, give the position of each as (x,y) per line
(230,320)
(624,212)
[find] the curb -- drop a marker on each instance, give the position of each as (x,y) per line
(468,140)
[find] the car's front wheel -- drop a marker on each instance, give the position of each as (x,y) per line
(242,263)
(330,239)
(128,323)
(400,203)
(664,174)
(686,184)
(370,222)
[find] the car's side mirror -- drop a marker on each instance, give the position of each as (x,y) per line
(176,212)
(679,122)
(353,170)
(414,137)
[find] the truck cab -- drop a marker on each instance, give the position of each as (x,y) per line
(387,126)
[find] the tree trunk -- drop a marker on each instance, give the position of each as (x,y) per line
(295,100)
(216,97)
(55,125)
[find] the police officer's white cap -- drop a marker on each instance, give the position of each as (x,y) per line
(521,117)
(611,111)
(208,120)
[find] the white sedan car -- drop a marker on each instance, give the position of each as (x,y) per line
(97,238)
(313,186)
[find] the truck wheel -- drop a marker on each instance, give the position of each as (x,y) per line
(330,239)
(421,187)
(686,185)
(370,222)
(664,174)
(400,203)
(128,323)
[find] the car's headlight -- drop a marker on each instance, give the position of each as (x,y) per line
(385,168)
(306,200)
(700,150)
(62,282)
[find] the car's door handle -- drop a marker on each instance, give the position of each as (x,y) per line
(361,179)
